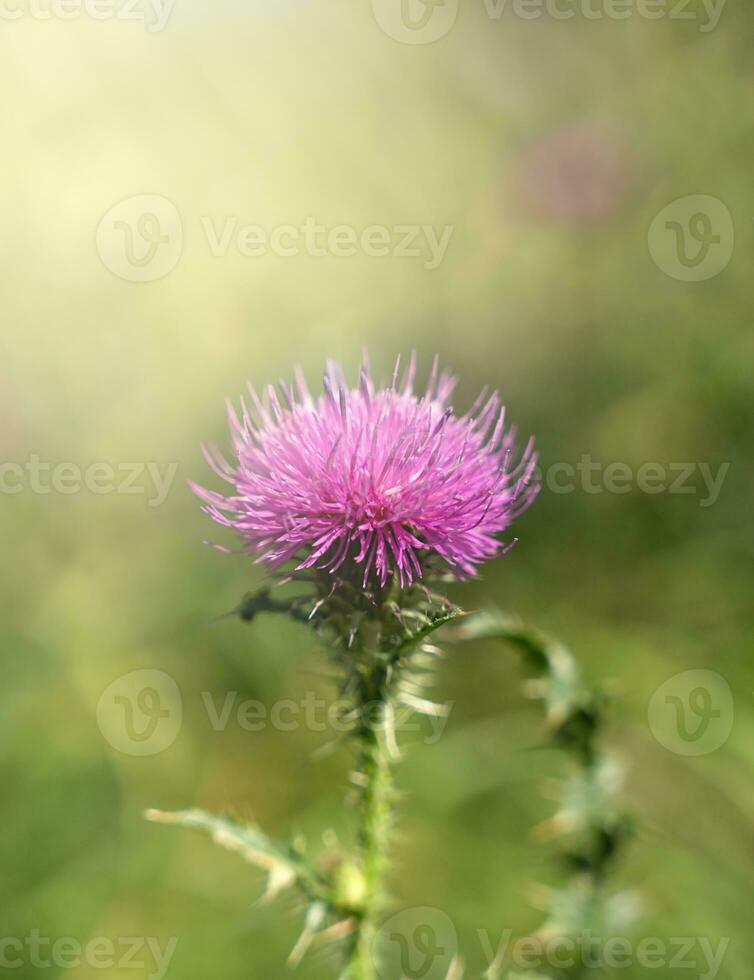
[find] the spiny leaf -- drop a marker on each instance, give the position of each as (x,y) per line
(428,623)
(571,707)
(593,830)
(501,626)
(284,865)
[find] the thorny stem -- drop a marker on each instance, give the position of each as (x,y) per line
(375,639)
(373,779)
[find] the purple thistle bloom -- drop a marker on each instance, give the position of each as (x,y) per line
(382,478)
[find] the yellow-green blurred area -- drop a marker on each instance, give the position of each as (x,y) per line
(548,147)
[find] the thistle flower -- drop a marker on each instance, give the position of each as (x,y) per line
(379,480)
(382,485)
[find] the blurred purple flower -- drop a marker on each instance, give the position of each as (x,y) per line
(576,172)
(377,477)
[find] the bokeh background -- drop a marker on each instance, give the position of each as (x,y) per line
(549,147)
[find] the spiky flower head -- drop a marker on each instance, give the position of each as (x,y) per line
(382,481)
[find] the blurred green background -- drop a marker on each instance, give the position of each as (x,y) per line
(548,147)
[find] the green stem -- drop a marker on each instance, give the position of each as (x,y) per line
(374,781)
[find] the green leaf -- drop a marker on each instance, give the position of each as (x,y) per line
(283,865)
(571,707)
(428,623)
(591,828)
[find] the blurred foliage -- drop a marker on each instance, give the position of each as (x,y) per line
(272,113)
